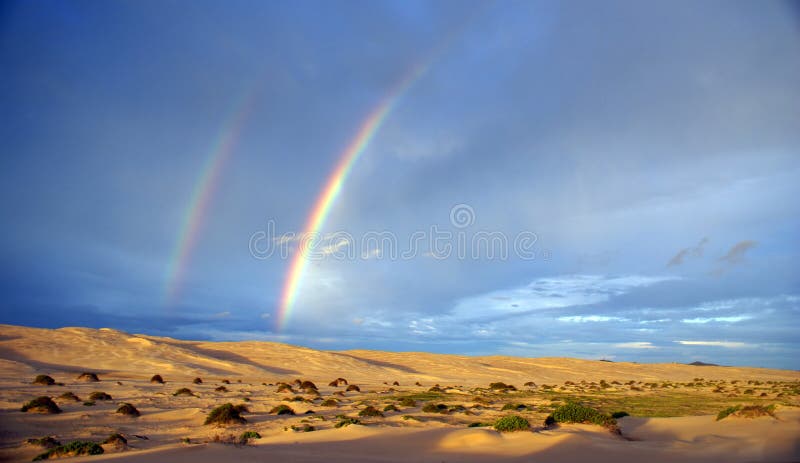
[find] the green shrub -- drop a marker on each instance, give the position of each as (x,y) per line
(88,377)
(69,396)
(725,412)
(390,408)
(283,387)
(116,439)
(226,414)
(282,410)
(408,402)
(304,428)
(501,387)
(183,391)
(518,407)
(576,413)
(512,423)
(70,450)
(42,404)
(434,408)
(346,421)
(44,380)
(247,435)
(97,395)
(128,410)
(46,442)
(370,411)
(478,425)
(330,403)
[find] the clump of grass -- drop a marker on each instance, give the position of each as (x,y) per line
(72,449)
(410,417)
(330,403)
(197,380)
(225,381)
(45,442)
(390,408)
(157,379)
(511,423)
(128,410)
(283,387)
(499,386)
(434,408)
(517,407)
(308,385)
(727,411)
(88,377)
(370,411)
(346,421)
(408,402)
(282,410)
(247,435)
(304,428)
(226,414)
(183,391)
(98,395)
(530,384)
(88,403)
(478,424)
(576,413)
(69,396)
(116,439)
(42,404)
(435,388)
(353,387)
(44,380)
(747,411)
(395,383)
(221,389)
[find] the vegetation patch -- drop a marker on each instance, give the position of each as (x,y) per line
(44,380)
(499,386)
(370,411)
(88,377)
(226,414)
(128,410)
(98,395)
(330,403)
(45,442)
(71,450)
(305,427)
(116,439)
(221,389)
(512,423)
(390,408)
(576,413)
(282,410)
(517,407)
(157,379)
(247,435)
(617,415)
(346,421)
(747,411)
(435,408)
(353,388)
(197,380)
(42,404)
(408,402)
(69,396)
(185,391)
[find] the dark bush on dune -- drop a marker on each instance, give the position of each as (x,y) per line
(530,384)
(617,415)
(338,382)
(408,402)
(501,387)
(395,383)
(221,389)
(128,410)
(183,391)
(42,404)
(353,387)
(71,450)
(576,413)
(308,385)
(512,423)
(116,439)
(434,408)
(225,381)
(157,379)
(45,442)
(44,380)
(69,396)
(435,389)
(390,408)
(334,383)
(97,395)
(370,411)
(198,381)
(417,384)
(226,414)
(282,410)
(247,435)
(346,421)
(88,377)
(518,407)
(330,403)
(283,387)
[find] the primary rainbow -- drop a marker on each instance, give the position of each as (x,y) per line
(322,207)
(193,219)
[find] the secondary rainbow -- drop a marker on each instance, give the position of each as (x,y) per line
(322,207)
(202,194)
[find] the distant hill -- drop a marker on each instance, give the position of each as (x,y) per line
(703,364)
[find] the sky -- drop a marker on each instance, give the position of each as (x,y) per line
(602,180)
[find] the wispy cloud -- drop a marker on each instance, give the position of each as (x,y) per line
(636,345)
(693,251)
(590,318)
(728,344)
(702,320)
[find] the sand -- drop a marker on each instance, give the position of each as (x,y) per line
(125,363)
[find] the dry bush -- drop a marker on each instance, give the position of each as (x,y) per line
(44,380)
(128,410)
(42,404)
(226,414)
(88,377)
(197,380)
(157,379)
(69,396)
(98,395)
(353,387)
(71,450)
(185,391)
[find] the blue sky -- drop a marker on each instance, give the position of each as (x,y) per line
(652,149)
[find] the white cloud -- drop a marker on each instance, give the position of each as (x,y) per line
(224,314)
(636,345)
(590,318)
(728,344)
(701,320)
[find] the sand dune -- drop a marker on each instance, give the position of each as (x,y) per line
(171,429)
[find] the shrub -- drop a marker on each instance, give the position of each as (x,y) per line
(282,410)
(308,385)
(518,407)
(221,389)
(226,414)
(44,380)
(42,404)
(353,387)
(88,377)
(46,442)
(390,408)
(330,403)
(576,413)
(197,380)
(435,389)
(304,428)
(70,450)
(128,410)
(69,396)
(417,384)
(116,439)
(370,411)
(408,402)
(511,423)
(434,408)
(395,383)
(88,403)
(183,391)
(247,435)
(617,415)
(530,384)
(98,395)
(747,411)
(727,411)
(283,387)
(501,387)
(478,425)
(225,381)
(346,421)
(157,379)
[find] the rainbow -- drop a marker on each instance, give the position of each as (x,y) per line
(194,217)
(322,207)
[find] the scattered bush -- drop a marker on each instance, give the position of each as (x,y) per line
(353,387)
(330,403)
(116,439)
(44,380)
(282,410)
(395,383)
(478,425)
(435,388)
(390,408)
(346,421)
(747,411)
(576,413)
(434,408)
(417,384)
(225,381)
(70,450)
(518,407)
(308,385)
(226,414)
(501,387)
(45,442)
(157,379)
(197,380)
(69,396)
(304,428)
(512,423)
(88,377)
(283,387)
(88,403)
(617,415)
(408,402)
(530,384)
(184,391)
(247,435)
(128,410)
(370,411)
(221,389)
(98,395)
(42,404)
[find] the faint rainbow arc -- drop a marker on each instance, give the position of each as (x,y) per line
(194,217)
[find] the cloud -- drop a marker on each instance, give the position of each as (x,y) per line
(636,345)
(224,314)
(694,251)
(727,344)
(731,319)
(589,318)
